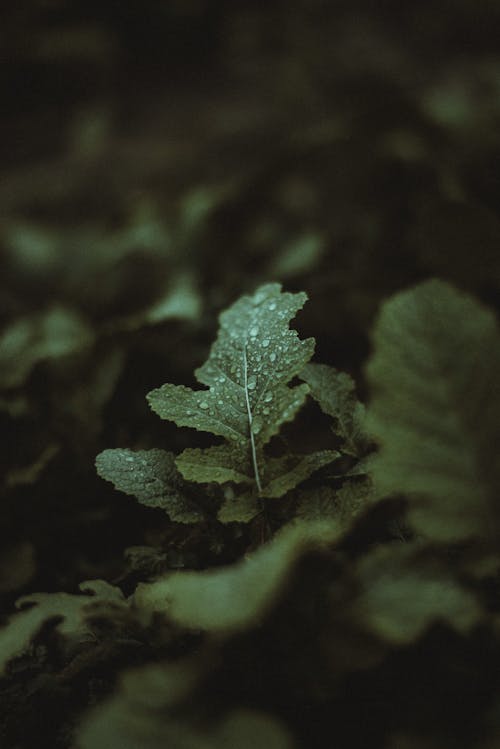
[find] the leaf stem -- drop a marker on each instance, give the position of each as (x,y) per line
(250,420)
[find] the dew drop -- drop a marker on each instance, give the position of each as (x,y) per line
(203,404)
(129,459)
(268,397)
(272,356)
(265,342)
(272,306)
(256,427)
(259,297)
(254,331)
(265,411)
(252,382)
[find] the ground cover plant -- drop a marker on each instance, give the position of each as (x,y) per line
(366,555)
(249,358)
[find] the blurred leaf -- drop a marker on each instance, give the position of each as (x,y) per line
(436,409)
(238,597)
(128,723)
(71,610)
(299,256)
(56,333)
(404,592)
(181,301)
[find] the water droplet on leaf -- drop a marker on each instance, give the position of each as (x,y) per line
(256,427)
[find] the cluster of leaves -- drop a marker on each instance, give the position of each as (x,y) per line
(413,184)
(247,402)
(383,555)
(163,161)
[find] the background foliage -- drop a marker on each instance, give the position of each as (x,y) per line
(160,160)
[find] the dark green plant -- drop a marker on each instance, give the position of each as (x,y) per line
(335,593)
(246,400)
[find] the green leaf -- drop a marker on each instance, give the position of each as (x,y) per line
(220,463)
(158,707)
(435,409)
(237,597)
(404,591)
(280,476)
(181,300)
(342,504)
(335,393)
(152,477)
(239,509)
(56,333)
(71,610)
(283,474)
(248,399)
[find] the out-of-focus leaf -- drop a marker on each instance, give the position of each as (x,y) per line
(435,409)
(404,593)
(298,256)
(122,724)
(142,715)
(56,333)
(181,301)
(72,610)
(238,597)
